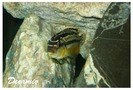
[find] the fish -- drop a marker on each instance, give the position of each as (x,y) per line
(65,44)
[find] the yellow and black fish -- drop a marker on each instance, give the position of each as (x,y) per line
(65,44)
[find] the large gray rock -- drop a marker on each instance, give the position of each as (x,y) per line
(52,9)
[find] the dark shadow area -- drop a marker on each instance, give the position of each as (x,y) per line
(10,28)
(80,62)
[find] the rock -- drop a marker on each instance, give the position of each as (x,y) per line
(109,63)
(111,46)
(50,9)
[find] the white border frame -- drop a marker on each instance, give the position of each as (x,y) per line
(1,36)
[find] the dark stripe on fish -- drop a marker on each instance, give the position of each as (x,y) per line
(64,33)
(63,38)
